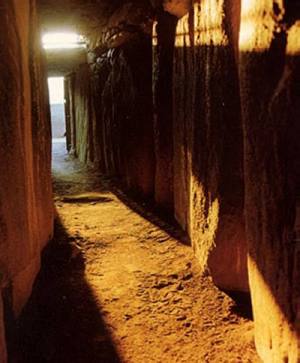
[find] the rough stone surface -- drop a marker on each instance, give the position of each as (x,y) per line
(83,114)
(269,54)
(121,287)
(183,104)
(110,107)
(99,21)
(163,45)
(70,112)
(208,150)
(225,131)
(25,190)
(178,8)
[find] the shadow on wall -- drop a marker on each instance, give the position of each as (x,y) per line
(61,322)
(209,144)
(109,113)
(271,117)
(272,199)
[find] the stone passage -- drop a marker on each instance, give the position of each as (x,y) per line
(118,285)
(190,106)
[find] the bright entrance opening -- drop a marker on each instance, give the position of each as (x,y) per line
(63,41)
(57,107)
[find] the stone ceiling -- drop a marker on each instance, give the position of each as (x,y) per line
(104,23)
(84,16)
(88,16)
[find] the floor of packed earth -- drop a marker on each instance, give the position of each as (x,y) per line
(118,284)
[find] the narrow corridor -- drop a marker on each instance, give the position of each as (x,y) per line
(115,287)
(176,207)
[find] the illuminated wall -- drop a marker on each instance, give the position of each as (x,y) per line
(208,150)
(236,156)
(269,78)
(26,209)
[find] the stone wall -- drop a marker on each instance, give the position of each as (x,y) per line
(109,103)
(235,124)
(208,141)
(163,48)
(26,211)
(221,145)
(269,79)
(83,115)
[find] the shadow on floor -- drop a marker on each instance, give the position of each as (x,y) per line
(149,211)
(242,306)
(62,322)
(63,186)
(82,199)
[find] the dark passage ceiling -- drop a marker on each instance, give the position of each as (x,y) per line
(104,23)
(87,16)
(84,16)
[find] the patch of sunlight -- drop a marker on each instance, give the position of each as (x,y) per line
(293,46)
(204,221)
(209,28)
(63,41)
(182,32)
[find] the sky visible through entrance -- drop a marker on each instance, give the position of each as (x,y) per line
(56,90)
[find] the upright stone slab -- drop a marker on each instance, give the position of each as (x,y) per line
(163,47)
(269,80)
(208,144)
(183,106)
(26,209)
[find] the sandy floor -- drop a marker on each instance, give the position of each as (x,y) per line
(119,285)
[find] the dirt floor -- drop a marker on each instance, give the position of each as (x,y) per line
(120,285)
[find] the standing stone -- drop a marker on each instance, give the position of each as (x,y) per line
(269,80)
